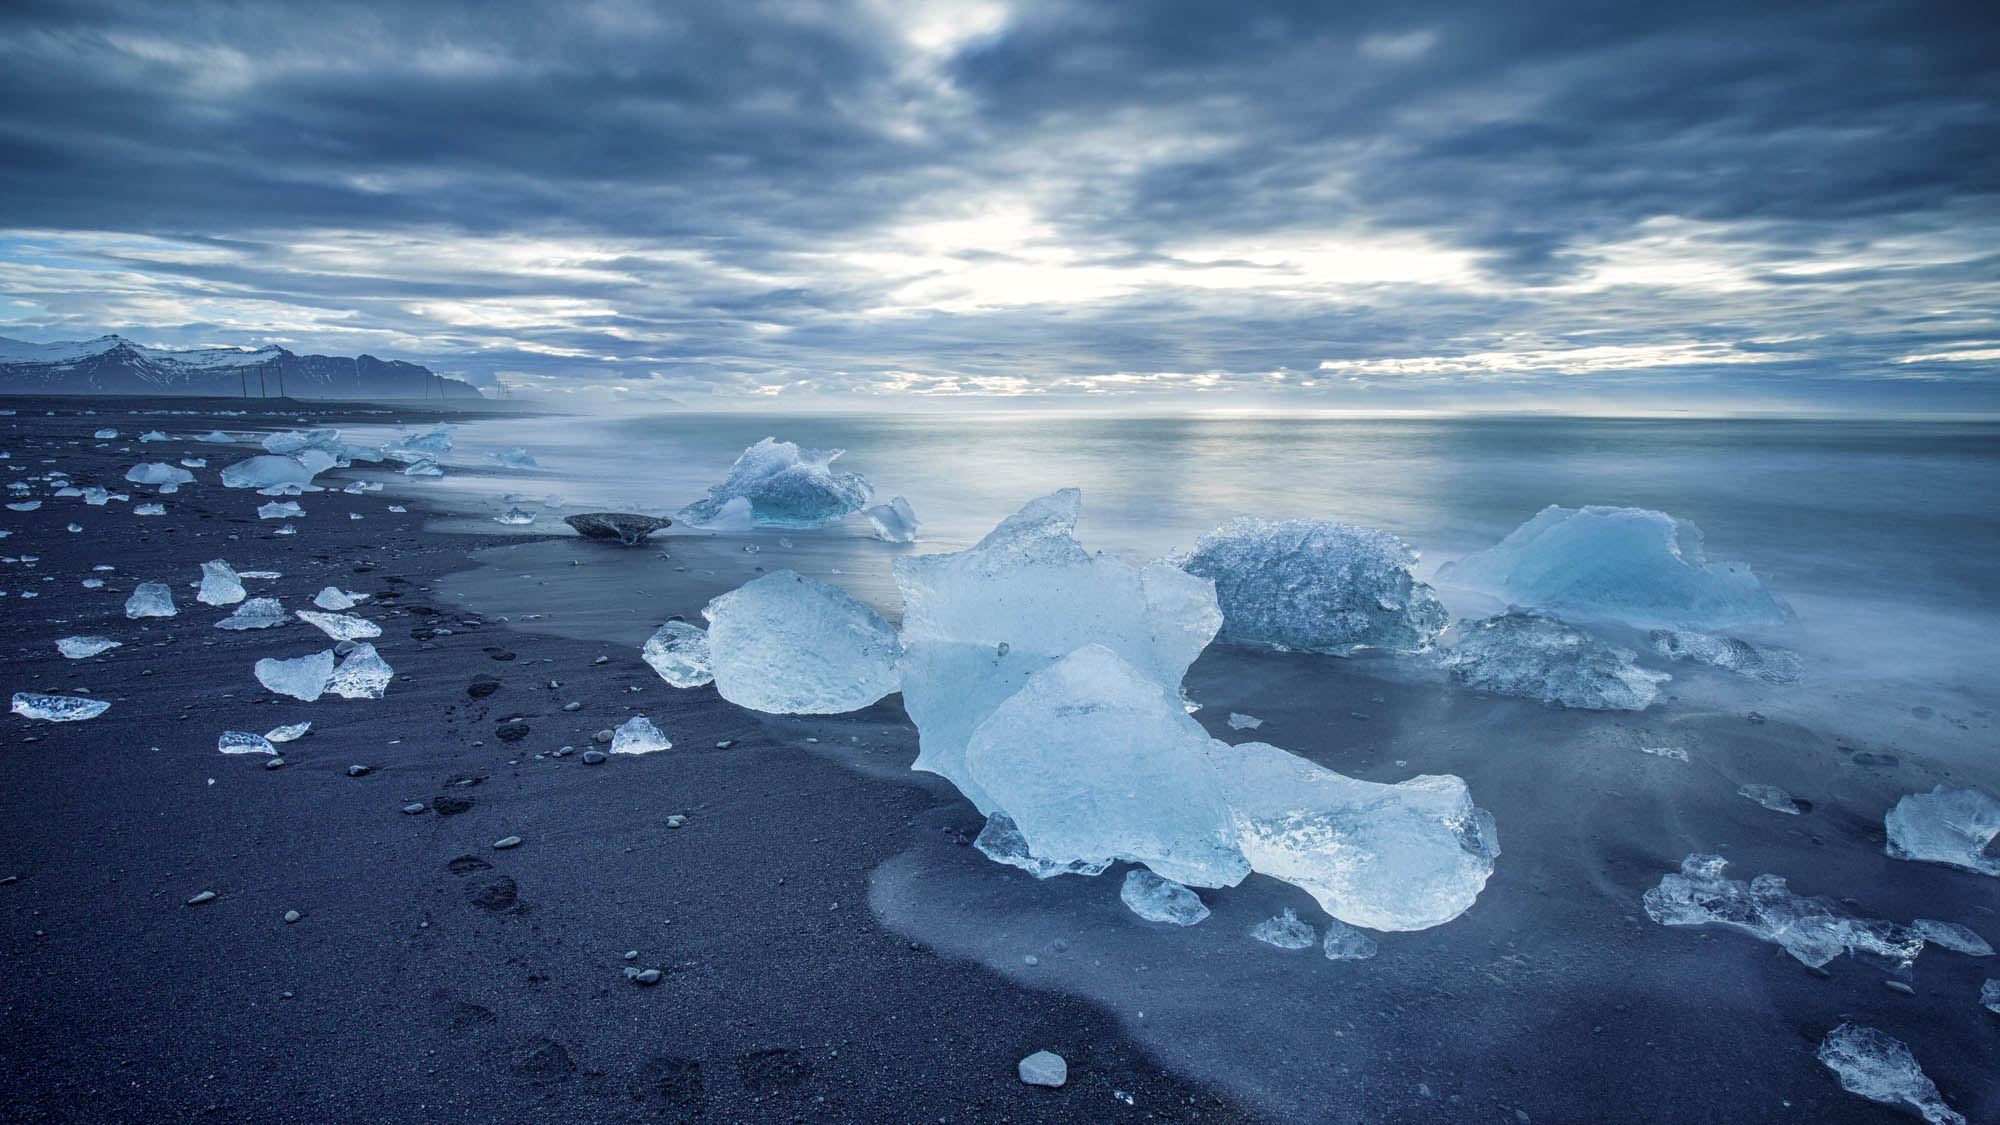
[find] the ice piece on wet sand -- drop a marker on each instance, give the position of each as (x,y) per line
(1879,1067)
(1240,721)
(1160,900)
(340,626)
(335,598)
(270,470)
(515,458)
(24,506)
(1641,567)
(82,648)
(244,742)
(894,522)
(1769,663)
(1345,943)
(1092,760)
(279,510)
(678,651)
(1543,659)
(1989,995)
(1810,929)
(978,623)
(152,435)
(257,613)
(1285,931)
(155,472)
(628,528)
(638,735)
(290,732)
(1771,797)
(515,517)
(1390,857)
(1950,826)
(220,584)
(786,487)
(57,708)
(1315,586)
(150,599)
(1952,936)
(303,677)
(788,645)
(141,510)
(1001,841)
(362,674)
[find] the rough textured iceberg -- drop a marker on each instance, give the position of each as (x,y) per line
(978,623)
(788,645)
(1285,931)
(638,735)
(1879,1067)
(362,674)
(1315,586)
(1769,663)
(1641,567)
(1949,826)
(1160,900)
(894,522)
(678,651)
(81,648)
(1543,659)
(303,677)
(270,470)
(1001,841)
(156,472)
(220,584)
(786,487)
(257,613)
(150,599)
(57,708)
(1810,929)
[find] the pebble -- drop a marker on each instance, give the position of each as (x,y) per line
(572,705)
(356,771)
(602,660)
(509,842)
(602,736)
(1031,960)
(414,807)
(676,820)
(1044,1068)
(205,896)
(725,744)
(647,977)
(274,763)
(562,751)
(595,757)
(292,916)
(631,955)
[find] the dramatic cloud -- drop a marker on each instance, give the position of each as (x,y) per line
(1341,205)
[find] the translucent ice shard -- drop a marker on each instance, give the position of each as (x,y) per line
(57,708)
(362,674)
(1160,900)
(302,678)
(894,522)
(1810,929)
(257,613)
(1390,857)
(153,435)
(515,517)
(244,742)
(978,623)
(678,651)
(268,470)
(216,437)
(1950,826)
(1001,841)
(1315,586)
(1771,797)
(1769,663)
(1240,721)
(220,584)
(81,648)
(424,468)
(1092,759)
(150,599)
(1989,995)
(280,510)
(24,506)
(291,441)
(1345,943)
(1285,931)
(788,645)
(1952,936)
(141,510)
(340,626)
(288,733)
(1641,567)
(1543,659)
(786,487)
(335,598)
(638,735)
(155,472)
(1879,1067)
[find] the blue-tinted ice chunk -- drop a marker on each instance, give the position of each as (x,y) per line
(1315,586)
(1160,900)
(1879,1067)
(785,486)
(1543,659)
(788,645)
(1945,825)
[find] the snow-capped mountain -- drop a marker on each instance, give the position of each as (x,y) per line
(115,365)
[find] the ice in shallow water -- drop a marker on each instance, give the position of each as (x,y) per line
(150,599)
(362,674)
(57,708)
(785,486)
(678,651)
(244,742)
(81,648)
(1160,900)
(1000,840)
(303,678)
(432,442)
(1769,663)
(788,645)
(340,626)
(1546,660)
(257,613)
(1285,931)
(139,510)
(1810,929)
(1632,565)
(1946,825)
(156,472)
(638,735)
(894,522)
(1315,586)
(1240,721)
(1771,797)
(220,584)
(424,468)
(1881,1068)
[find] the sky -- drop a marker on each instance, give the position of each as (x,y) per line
(1291,206)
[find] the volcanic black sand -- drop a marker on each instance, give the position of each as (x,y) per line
(431,976)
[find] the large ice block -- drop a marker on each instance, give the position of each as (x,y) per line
(1946,825)
(1811,929)
(788,645)
(1315,586)
(786,486)
(678,651)
(1879,1067)
(1543,659)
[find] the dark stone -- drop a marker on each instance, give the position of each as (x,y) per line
(595,757)
(511,732)
(482,686)
(626,527)
(450,806)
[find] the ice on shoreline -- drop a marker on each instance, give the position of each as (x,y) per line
(340,626)
(1546,660)
(1949,826)
(1285,931)
(1810,929)
(1768,663)
(678,651)
(785,486)
(638,735)
(787,645)
(82,648)
(362,674)
(1160,900)
(244,742)
(894,522)
(256,613)
(58,708)
(220,584)
(150,599)
(1001,841)
(303,678)
(273,471)
(156,472)
(1881,1068)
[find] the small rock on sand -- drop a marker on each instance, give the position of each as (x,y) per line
(507,842)
(1044,1068)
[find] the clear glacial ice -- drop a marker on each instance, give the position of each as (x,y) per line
(1285,931)
(1001,841)
(1952,936)
(155,472)
(1631,565)
(280,510)
(82,648)
(244,742)
(678,651)
(271,470)
(362,674)
(58,708)
(303,678)
(340,626)
(433,442)
(220,584)
(1160,900)
(1345,943)
(1950,826)
(788,645)
(785,486)
(894,522)
(1549,661)
(638,735)
(1768,663)
(515,458)
(1771,797)
(1812,930)
(1315,586)
(336,599)
(1881,1068)
(150,599)
(256,613)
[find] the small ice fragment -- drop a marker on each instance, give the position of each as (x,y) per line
(1952,936)
(244,742)
(93,583)
(268,470)
(1949,826)
(363,674)
(24,505)
(1160,900)
(678,651)
(257,613)
(894,522)
(1543,659)
(788,645)
(288,732)
(397,508)
(105,435)
(304,678)
(638,735)
(1769,663)
(194,462)
(1345,943)
(1989,995)
(220,584)
(784,486)
(335,598)
(1671,753)
(1315,586)
(1881,1068)
(424,468)
(150,599)
(57,708)
(1810,929)
(1771,797)
(152,435)
(139,510)
(516,458)
(1043,1068)
(280,510)
(1240,721)
(1285,931)
(1001,841)
(216,437)
(158,472)
(433,441)
(82,648)
(515,517)
(98,497)
(340,626)
(260,575)
(288,529)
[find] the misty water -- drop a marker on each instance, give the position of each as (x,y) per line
(1554,995)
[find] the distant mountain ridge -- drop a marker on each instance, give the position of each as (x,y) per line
(113,365)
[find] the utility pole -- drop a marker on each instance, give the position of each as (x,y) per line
(260,381)
(281,377)
(243,377)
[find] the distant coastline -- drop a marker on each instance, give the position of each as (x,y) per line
(113,365)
